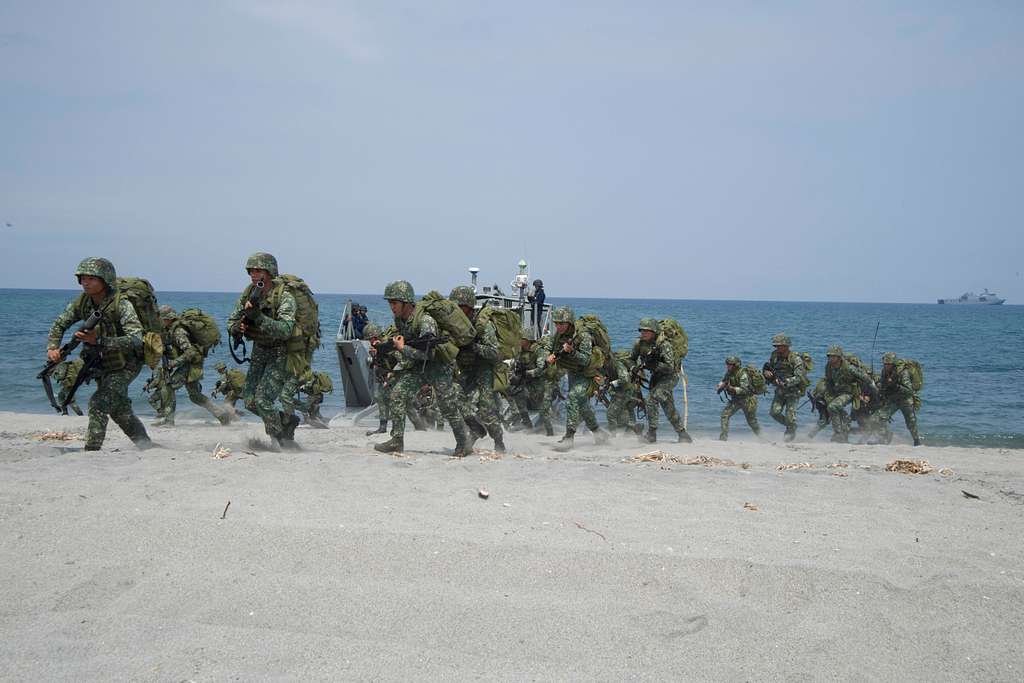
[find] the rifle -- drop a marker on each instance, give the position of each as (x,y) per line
(426,344)
(767,368)
(818,405)
(91,363)
(249,316)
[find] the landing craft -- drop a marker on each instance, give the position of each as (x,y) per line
(359,382)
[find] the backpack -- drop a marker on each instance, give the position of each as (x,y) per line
(140,293)
(201,328)
(670,329)
(509,328)
(322,383)
(450,318)
(808,361)
(307,313)
(915,370)
(598,333)
(757,382)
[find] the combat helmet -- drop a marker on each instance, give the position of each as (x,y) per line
(400,290)
(167,313)
(220,366)
(371,330)
(888,358)
(780,340)
(733,360)
(538,283)
(463,295)
(649,324)
(563,314)
(263,261)
(835,350)
(98,267)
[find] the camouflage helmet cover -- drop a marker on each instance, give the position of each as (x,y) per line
(463,295)
(98,267)
(834,350)
(888,358)
(732,360)
(371,330)
(563,314)
(263,261)
(220,366)
(780,340)
(167,313)
(400,290)
(648,324)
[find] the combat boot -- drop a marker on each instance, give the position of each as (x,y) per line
(164,422)
(601,437)
(917,441)
(395,444)
(723,436)
(382,428)
(840,437)
(790,434)
(524,423)
(463,442)
(565,444)
(288,424)
(479,431)
(651,436)
(137,433)
(683,436)
(499,441)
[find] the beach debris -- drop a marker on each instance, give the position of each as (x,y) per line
(705,460)
(795,466)
(840,474)
(910,467)
(839,464)
(947,472)
(596,533)
(970,495)
(220,452)
(224,514)
(58,436)
(750,506)
(486,456)
(483,493)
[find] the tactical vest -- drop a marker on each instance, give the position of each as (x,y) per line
(841,381)
(109,326)
(267,305)
(569,364)
(785,368)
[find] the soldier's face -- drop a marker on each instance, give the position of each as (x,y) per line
(647,335)
(562,328)
(259,275)
(782,349)
(729,367)
(395,306)
(91,284)
(835,361)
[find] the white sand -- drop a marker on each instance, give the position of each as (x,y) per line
(338,562)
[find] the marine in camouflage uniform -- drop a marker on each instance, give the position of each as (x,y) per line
(65,374)
(476,367)
(845,384)
(658,357)
(736,383)
(417,368)
(117,340)
(897,394)
(622,394)
(231,385)
(571,348)
(314,385)
(526,383)
(786,370)
(183,369)
(268,382)
(383,369)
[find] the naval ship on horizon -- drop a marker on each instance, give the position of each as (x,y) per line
(985,298)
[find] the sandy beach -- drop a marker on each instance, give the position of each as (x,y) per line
(338,562)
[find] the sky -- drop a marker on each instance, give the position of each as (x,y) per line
(812,151)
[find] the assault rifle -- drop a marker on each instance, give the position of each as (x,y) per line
(92,363)
(426,344)
(249,317)
(818,405)
(766,370)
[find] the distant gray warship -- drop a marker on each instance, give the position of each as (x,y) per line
(986,298)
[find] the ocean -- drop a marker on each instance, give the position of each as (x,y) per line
(973,356)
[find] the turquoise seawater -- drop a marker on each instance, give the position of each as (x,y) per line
(973,355)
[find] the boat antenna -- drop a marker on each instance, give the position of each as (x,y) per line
(873,345)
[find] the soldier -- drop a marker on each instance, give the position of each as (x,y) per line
(571,348)
(622,394)
(268,322)
(737,384)
(115,345)
(845,384)
(659,359)
(314,385)
(475,376)
(183,369)
(786,370)
(231,385)
(897,393)
(417,367)
(526,383)
(65,374)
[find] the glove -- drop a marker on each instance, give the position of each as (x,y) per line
(616,384)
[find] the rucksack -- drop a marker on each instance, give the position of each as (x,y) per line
(670,329)
(598,333)
(450,318)
(757,382)
(808,361)
(322,383)
(307,313)
(915,370)
(143,299)
(201,328)
(509,328)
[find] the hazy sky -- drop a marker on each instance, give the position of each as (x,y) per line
(813,151)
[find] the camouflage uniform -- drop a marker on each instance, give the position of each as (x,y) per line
(314,385)
(475,376)
(622,395)
(790,381)
(897,393)
(65,374)
(119,341)
(231,384)
(741,397)
(269,381)
(416,369)
(659,358)
(844,386)
(527,385)
(581,376)
(184,369)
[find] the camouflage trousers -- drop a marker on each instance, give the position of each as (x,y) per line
(544,413)
(310,405)
(838,415)
(748,405)
(577,403)
(784,406)
(168,396)
(621,410)
(662,394)
(63,394)
(476,385)
(889,408)
(532,391)
(268,383)
(407,385)
(110,401)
